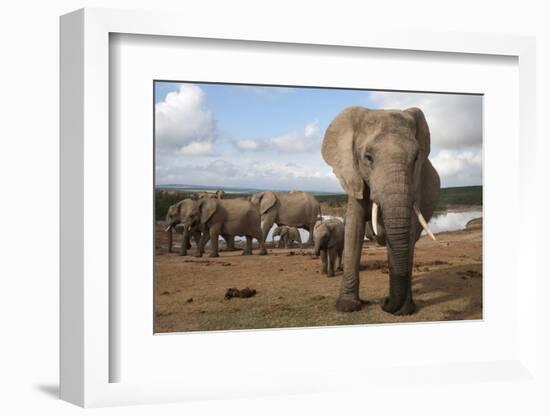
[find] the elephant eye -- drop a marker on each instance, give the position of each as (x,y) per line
(368,157)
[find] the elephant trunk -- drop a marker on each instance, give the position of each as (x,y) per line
(317,247)
(396,215)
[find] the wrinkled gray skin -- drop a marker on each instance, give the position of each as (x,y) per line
(328,240)
(288,235)
(382,156)
(379,239)
(173,222)
(226,217)
(294,209)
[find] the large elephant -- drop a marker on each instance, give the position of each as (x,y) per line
(294,209)
(287,236)
(174,222)
(225,217)
(380,158)
(328,239)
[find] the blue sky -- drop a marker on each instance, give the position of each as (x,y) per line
(270,137)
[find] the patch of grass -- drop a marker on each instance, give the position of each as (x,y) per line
(462,195)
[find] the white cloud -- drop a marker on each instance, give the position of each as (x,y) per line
(309,139)
(295,141)
(196,149)
(458,167)
(181,120)
(455,121)
(249,145)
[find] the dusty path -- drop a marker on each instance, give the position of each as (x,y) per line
(189,291)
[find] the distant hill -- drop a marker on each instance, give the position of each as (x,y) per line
(229,190)
(459,195)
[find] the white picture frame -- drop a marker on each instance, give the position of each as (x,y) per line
(85,212)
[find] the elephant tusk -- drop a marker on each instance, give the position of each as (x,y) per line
(375,218)
(422,222)
(168,228)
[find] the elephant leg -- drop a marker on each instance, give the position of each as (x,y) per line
(229,242)
(170,240)
(261,242)
(286,241)
(323,261)
(331,261)
(348,298)
(184,242)
(340,251)
(214,236)
(202,243)
(248,250)
(310,238)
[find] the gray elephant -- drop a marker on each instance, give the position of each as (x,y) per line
(226,217)
(328,240)
(287,236)
(380,158)
(294,209)
(219,194)
(174,223)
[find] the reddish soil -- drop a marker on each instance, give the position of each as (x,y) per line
(291,291)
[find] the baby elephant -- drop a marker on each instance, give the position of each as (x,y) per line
(328,238)
(288,235)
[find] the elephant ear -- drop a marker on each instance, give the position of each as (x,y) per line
(267,201)
(207,207)
(422,132)
(422,135)
(339,150)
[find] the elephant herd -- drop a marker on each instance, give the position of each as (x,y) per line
(207,216)
(380,158)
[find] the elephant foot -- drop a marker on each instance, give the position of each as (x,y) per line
(246,253)
(348,304)
(330,274)
(406,308)
(214,255)
(263,252)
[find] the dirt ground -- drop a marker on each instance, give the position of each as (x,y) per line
(291,291)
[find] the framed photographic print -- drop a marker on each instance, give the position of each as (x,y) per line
(223,151)
(278,199)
